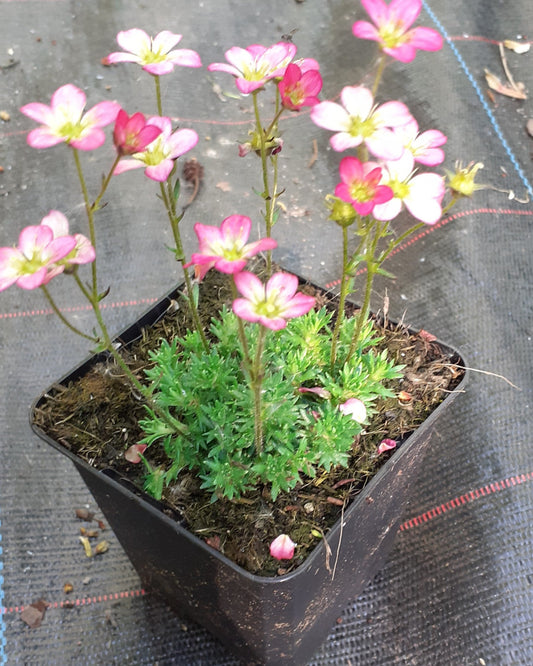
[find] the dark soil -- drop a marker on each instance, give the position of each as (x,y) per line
(96,418)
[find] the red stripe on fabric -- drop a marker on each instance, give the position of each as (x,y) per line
(466,498)
(81,601)
(79,308)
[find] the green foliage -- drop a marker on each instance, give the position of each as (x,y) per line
(209,394)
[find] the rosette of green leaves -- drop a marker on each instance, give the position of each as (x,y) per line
(208,392)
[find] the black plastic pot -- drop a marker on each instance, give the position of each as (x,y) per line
(276,621)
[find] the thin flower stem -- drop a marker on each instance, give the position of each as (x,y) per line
(257,386)
(180,256)
(381,66)
(65,321)
(96,204)
(158,95)
(372,265)
(242,333)
(342,298)
(268,195)
(90,219)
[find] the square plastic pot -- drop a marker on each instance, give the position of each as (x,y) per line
(278,621)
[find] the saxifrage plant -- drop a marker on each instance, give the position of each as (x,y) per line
(273,389)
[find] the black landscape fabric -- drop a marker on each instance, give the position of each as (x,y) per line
(457,587)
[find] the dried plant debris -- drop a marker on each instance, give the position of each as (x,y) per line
(33,614)
(517,47)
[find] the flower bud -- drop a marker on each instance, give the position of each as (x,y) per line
(342,212)
(462,182)
(282,548)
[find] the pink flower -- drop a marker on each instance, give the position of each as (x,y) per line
(83,252)
(358,121)
(424,147)
(64,121)
(158,157)
(355,408)
(422,193)
(282,548)
(360,185)
(132,135)
(273,304)
(299,88)
(256,64)
(226,247)
(386,445)
(391,28)
(31,264)
(154,55)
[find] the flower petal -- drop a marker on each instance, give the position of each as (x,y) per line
(357,100)
(90,140)
(70,100)
(185,58)
(365,30)
(161,171)
(57,222)
(181,142)
(165,41)
(42,137)
(135,41)
(331,116)
(406,11)
(102,114)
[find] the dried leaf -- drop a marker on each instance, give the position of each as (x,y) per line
(224,186)
(516,92)
(33,614)
(517,47)
(68,588)
(529,127)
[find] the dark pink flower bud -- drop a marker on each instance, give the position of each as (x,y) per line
(386,445)
(132,134)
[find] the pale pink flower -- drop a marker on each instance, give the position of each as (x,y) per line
(424,147)
(282,548)
(420,193)
(64,121)
(391,28)
(226,247)
(32,263)
(256,64)
(360,185)
(271,304)
(299,88)
(158,157)
(386,445)
(132,134)
(134,453)
(155,55)
(83,252)
(358,121)
(355,408)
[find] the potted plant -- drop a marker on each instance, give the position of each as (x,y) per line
(260,471)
